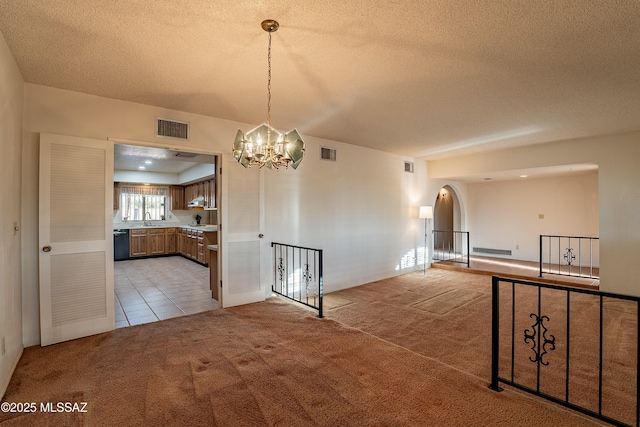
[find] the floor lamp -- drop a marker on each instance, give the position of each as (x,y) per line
(425,212)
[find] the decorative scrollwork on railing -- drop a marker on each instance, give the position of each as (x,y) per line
(530,338)
(281,269)
(569,256)
(307,276)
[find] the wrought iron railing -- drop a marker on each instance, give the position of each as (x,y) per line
(452,246)
(297,274)
(570,256)
(576,347)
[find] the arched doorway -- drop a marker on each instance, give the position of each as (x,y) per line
(446,216)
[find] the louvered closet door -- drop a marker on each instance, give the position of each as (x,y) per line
(243,252)
(76,243)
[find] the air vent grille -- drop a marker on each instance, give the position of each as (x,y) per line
(327,153)
(185,155)
(172,129)
(408,167)
(492,251)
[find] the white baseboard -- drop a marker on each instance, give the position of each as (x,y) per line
(5,384)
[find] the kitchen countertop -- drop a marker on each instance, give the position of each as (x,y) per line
(189,227)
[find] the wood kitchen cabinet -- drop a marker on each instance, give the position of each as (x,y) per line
(177,198)
(156,241)
(171,241)
(152,241)
(205,189)
(193,244)
(138,243)
(116,195)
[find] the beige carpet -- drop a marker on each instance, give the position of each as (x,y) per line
(374,361)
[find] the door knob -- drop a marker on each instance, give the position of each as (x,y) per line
(261,235)
(46,248)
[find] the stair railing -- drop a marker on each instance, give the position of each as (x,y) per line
(297,274)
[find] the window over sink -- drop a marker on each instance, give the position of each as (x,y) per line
(143,202)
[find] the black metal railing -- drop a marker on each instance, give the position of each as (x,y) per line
(451,246)
(570,256)
(297,274)
(576,347)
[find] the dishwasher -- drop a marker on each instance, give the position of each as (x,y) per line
(120,244)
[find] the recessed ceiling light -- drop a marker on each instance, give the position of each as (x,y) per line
(148,162)
(523,176)
(141,167)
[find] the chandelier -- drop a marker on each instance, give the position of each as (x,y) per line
(264,145)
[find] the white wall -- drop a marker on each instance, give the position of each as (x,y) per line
(361,210)
(11,110)
(618,193)
(505,214)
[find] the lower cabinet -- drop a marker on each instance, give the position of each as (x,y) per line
(152,241)
(156,241)
(165,241)
(138,243)
(171,243)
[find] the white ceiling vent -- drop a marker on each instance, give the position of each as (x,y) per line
(172,129)
(327,153)
(408,167)
(184,155)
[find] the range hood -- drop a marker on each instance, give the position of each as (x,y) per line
(198,202)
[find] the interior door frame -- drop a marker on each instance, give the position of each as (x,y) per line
(198,150)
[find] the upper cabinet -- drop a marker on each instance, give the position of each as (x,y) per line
(116,196)
(177,198)
(182,195)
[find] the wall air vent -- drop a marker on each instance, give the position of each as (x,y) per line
(327,153)
(408,167)
(172,129)
(183,155)
(491,251)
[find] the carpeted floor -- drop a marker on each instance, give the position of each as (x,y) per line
(411,350)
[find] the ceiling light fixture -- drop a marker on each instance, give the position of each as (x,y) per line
(264,145)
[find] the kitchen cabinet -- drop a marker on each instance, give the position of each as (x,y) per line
(171,243)
(156,241)
(213,273)
(188,242)
(205,189)
(177,198)
(138,243)
(193,243)
(116,195)
(209,193)
(152,241)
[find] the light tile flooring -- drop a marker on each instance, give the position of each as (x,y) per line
(152,289)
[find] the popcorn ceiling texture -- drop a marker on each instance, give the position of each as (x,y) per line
(413,77)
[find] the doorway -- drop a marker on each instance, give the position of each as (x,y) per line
(446,215)
(152,190)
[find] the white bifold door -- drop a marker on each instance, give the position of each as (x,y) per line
(244,253)
(75,238)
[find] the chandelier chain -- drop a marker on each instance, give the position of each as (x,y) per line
(269,83)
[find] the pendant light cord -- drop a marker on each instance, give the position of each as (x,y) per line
(269,84)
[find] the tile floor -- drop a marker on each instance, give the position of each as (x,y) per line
(152,289)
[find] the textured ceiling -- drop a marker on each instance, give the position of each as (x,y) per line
(419,78)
